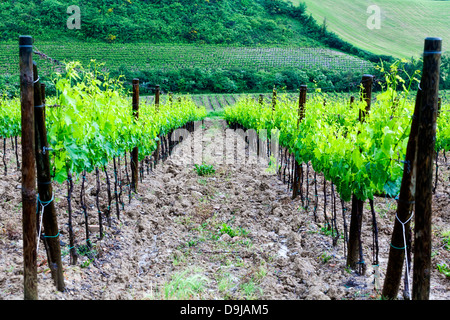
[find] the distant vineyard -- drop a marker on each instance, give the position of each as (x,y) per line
(217,102)
(136,57)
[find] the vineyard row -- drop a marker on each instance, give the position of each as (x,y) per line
(368,148)
(364,148)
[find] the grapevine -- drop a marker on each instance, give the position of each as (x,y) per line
(89,122)
(360,158)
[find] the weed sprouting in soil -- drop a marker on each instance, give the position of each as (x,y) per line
(204,169)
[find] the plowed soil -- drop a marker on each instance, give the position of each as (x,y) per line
(233,234)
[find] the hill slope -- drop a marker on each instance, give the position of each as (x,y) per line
(241,22)
(127,36)
(403,27)
(227,28)
(224,22)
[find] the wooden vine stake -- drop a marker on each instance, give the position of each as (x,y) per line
(355,256)
(367,82)
(402,229)
(158,143)
(274,98)
(439,106)
(45,190)
(28,169)
(135,152)
(426,140)
(301,114)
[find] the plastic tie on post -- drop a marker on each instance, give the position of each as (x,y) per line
(45,149)
(398,248)
(407,202)
(426,53)
(405,245)
(55,236)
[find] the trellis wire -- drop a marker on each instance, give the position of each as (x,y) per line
(40,214)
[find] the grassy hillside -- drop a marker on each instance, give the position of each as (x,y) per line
(192,68)
(240,22)
(219,22)
(404,23)
(190,46)
(185,45)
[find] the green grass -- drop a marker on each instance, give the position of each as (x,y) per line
(232,232)
(446,239)
(404,24)
(185,285)
(215,114)
(189,283)
(444,269)
(204,169)
(235,276)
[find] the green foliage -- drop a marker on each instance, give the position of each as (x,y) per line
(205,25)
(200,22)
(88,251)
(204,169)
(10,117)
(215,114)
(187,284)
(223,36)
(94,121)
(445,71)
(9,85)
(326,230)
(444,269)
(446,239)
(326,257)
(250,290)
(360,158)
(182,21)
(203,80)
(232,232)
(192,243)
(196,69)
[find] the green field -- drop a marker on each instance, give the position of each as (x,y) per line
(217,102)
(195,68)
(404,23)
(297,51)
(140,56)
